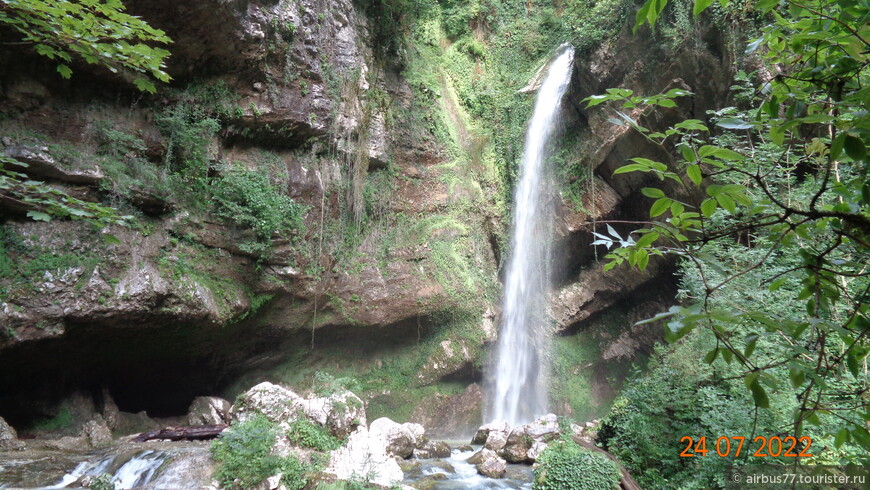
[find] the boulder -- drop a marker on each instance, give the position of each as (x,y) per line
(276,403)
(535,451)
(492,468)
(517,448)
(484,430)
(366,454)
(496,440)
(97,432)
(432,449)
(8,437)
(488,463)
(208,410)
(109,410)
(400,439)
(341,412)
(545,428)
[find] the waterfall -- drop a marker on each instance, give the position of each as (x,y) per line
(520,384)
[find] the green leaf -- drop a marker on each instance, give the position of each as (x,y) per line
(861,436)
(711,356)
(687,152)
(64,71)
(647,239)
(855,148)
(677,209)
(837,146)
(652,192)
(726,154)
(38,216)
(727,203)
(145,85)
(797,377)
(853,363)
(751,341)
(659,207)
(759,396)
(708,207)
(700,6)
(111,239)
(632,167)
(841,438)
(694,173)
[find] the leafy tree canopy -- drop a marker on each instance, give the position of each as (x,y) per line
(775,250)
(97,31)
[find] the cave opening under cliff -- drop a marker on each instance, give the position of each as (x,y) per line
(156,370)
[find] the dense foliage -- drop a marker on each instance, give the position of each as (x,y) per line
(305,433)
(767,206)
(564,465)
(250,200)
(244,456)
(96,31)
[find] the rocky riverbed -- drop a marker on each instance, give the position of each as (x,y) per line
(382,453)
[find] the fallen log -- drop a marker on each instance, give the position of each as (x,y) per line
(191,433)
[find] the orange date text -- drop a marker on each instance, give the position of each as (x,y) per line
(774,446)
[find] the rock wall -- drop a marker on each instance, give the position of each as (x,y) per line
(180,307)
(390,279)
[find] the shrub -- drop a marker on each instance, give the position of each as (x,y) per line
(306,433)
(248,199)
(567,466)
(244,456)
(243,453)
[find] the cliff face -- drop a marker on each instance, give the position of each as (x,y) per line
(388,273)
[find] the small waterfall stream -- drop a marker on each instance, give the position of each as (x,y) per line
(520,385)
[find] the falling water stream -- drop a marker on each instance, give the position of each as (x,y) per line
(520,385)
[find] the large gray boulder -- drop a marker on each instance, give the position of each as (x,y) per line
(483,432)
(208,410)
(365,453)
(488,463)
(400,439)
(276,403)
(432,449)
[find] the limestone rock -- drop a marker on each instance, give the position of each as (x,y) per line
(109,410)
(97,432)
(8,437)
(432,449)
(365,454)
(492,468)
(208,410)
(342,412)
(536,450)
(484,430)
(276,403)
(496,440)
(522,438)
(488,463)
(400,439)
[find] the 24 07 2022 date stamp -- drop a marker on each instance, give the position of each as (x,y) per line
(774,446)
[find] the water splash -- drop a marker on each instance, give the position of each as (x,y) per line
(520,385)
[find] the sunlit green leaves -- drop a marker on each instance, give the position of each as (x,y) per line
(47,202)
(98,32)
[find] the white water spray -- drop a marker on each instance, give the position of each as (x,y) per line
(520,385)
